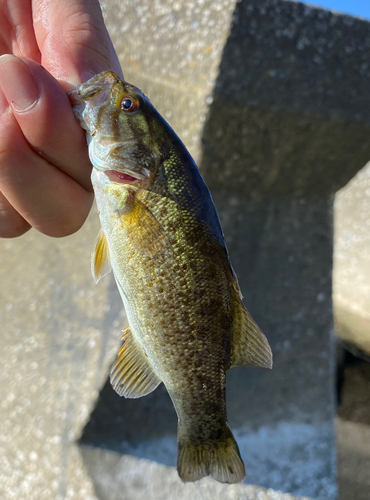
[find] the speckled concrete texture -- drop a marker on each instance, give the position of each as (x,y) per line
(271,97)
(298,126)
(125,477)
(172,51)
(58,335)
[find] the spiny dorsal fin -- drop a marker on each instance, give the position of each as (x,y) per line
(100,261)
(250,346)
(142,228)
(131,374)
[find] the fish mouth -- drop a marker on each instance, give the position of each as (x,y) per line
(73,98)
(124,178)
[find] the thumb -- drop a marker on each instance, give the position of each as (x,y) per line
(73,40)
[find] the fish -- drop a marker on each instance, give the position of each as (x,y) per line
(161,236)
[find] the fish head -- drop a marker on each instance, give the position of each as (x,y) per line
(123,132)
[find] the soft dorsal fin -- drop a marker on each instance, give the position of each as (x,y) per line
(100,261)
(250,346)
(131,374)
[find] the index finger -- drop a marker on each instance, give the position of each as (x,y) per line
(44,166)
(73,40)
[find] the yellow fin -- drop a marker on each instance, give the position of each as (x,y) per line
(100,261)
(142,228)
(131,374)
(250,346)
(220,458)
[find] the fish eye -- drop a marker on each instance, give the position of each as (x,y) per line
(128,104)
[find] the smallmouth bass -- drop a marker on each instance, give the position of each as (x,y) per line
(161,236)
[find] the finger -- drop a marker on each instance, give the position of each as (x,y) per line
(44,114)
(12,223)
(46,197)
(73,40)
(16,29)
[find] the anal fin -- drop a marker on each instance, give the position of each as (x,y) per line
(250,346)
(131,375)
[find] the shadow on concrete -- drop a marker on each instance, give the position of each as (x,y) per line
(286,129)
(354,402)
(353,427)
(288,126)
(117,421)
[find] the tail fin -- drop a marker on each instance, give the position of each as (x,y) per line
(220,458)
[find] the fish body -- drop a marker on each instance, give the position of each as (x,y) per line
(162,238)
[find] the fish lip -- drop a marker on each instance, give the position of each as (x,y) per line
(135,175)
(73,97)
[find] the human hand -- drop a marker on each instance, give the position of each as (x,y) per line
(44,165)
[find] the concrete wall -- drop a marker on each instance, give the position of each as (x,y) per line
(271,97)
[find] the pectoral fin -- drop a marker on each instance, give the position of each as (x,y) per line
(143,229)
(131,375)
(100,261)
(250,346)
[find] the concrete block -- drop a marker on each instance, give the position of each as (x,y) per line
(351,278)
(271,97)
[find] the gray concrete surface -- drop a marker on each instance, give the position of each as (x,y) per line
(58,336)
(172,50)
(275,108)
(351,278)
(351,302)
(125,477)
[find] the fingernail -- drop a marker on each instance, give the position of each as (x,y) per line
(17,83)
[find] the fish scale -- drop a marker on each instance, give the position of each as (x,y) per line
(162,238)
